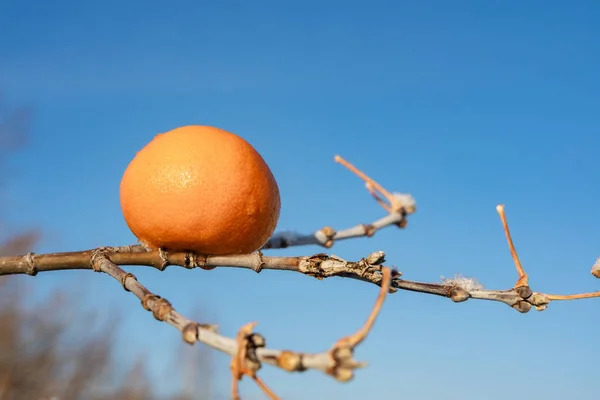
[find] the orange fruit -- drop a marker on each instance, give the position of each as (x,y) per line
(201,189)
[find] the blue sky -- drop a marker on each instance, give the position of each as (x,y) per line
(463,104)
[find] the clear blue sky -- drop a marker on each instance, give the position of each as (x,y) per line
(463,104)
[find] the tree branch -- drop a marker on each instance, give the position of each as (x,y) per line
(338,362)
(397,205)
(327,236)
(319,266)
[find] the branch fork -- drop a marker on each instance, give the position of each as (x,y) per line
(529,298)
(248,349)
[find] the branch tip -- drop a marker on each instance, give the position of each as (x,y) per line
(374,188)
(523,277)
(573,296)
(355,339)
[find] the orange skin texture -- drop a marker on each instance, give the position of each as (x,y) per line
(200,189)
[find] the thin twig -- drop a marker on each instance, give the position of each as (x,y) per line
(397,202)
(523,277)
(343,350)
(573,296)
(399,207)
(360,335)
(327,236)
(522,285)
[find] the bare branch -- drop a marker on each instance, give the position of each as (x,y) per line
(398,206)
(319,266)
(339,366)
(327,236)
(522,285)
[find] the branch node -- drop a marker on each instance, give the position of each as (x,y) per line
(161,310)
(259,264)
(94,261)
(124,279)
(343,353)
(538,299)
(325,236)
(192,260)
(248,342)
(164,257)
(200,261)
(313,266)
(148,298)
(396,273)
(364,268)
(30,259)
(290,361)
(369,229)
(522,306)
(404,222)
(342,357)
(246,362)
(376,258)
(187,260)
(344,374)
(458,294)
(524,292)
(329,232)
(189,333)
